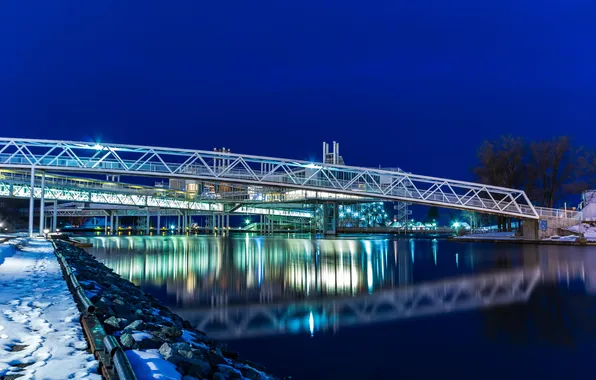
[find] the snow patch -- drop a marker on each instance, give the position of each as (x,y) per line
(149,364)
(41,334)
(139,336)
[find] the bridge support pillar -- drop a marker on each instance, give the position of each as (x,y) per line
(213,222)
(55,216)
(178,225)
(105,225)
(42,215)
(112,222)
(228,223)
(148,227)
(530,229)
(116,224)
(329,218)
(158,223)
(31,202)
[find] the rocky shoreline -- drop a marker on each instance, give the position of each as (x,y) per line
(147,329)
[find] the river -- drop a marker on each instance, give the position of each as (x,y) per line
(376,307)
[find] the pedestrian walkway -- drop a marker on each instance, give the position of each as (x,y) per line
(40,333)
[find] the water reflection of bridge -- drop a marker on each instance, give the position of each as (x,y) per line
(447,296)
(251,286)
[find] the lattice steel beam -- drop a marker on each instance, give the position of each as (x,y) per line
(22,190)
(119,159)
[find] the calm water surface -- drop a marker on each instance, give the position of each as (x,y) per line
(376,307)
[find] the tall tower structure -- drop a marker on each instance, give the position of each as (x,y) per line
(332,157)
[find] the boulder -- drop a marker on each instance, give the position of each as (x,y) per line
(127,341)
(137,325)
(149,343)
(216,358)
(230,371)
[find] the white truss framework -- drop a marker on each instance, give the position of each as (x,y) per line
(23,190)
(118,159)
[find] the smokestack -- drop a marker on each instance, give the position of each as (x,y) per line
(334,153)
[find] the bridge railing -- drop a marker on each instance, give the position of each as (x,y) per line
(227,167)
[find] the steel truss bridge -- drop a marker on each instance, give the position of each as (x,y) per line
(81,190)
(133,160)
(223,321)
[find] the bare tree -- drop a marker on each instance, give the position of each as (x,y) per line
(503,162)
(557,168)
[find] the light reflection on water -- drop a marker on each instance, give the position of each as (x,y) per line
(253,285)
(279,297)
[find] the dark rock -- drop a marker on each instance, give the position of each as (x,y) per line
(188,377)
(173,332)
(230,354)
(121,309)
(252,374)
(257,366)
(113,322)
(127,341)
(168,333)
(219,376)
(149,343)
(229,371)
(137,325)
(199,368)
(167,351)
(102,304)
(216,358)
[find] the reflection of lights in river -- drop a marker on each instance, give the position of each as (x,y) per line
(194,268)
(311,324)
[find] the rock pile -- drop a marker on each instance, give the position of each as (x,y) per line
(140,322)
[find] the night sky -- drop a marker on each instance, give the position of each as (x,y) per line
(416,84)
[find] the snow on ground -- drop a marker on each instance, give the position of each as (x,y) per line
(40,333)
(149,364)
(588,230)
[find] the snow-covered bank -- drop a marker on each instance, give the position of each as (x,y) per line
(40,333)
(489,236)
(589,230)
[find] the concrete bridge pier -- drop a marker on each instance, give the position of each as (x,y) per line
(31,201)
(158,222)
(329,218)
(42,219)
(530,229)
(116,224)
(55,216)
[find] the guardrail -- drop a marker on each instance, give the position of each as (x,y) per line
(113,362)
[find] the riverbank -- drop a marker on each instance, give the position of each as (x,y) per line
(40,333)
(156,341)
(510,238)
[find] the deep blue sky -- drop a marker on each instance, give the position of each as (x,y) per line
(416,84)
